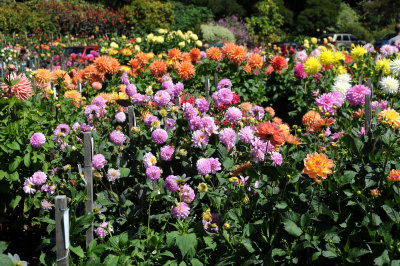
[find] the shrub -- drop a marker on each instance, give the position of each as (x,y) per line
(188,16)
(17,17)
(348,21)
(148,15)
(215,34)
(238,27)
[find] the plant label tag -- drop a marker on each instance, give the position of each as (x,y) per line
(66,228)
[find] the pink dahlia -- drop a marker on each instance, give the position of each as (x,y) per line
(276,158)
(299,71)
(246,134)
(225,96)
(99,161)
(22,89)
(162,98)
(181,211)
(202,105)
(120,117)
(199,138)
(113,174)
(203,166)
(170,183)
(233,114)
(117,137)
(166,153)
(38,139)
(28,186)
(356,94)
(149,159)
(159,136)
(153,172)
(257,112)
(130,90)
(224,83)
(187,193)
(39,178)
(227,136)
(215,165)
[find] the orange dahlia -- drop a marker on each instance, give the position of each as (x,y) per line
(270,111)
(185,70)
(310,118)
(321,124)
(142,58)
(158,68)
(246,106)
(278,63)
(238,54)
(92,75)
(272,132)
(277,120)
(394,175)
(107,96)
(214,54)
(125,52)
(317,166)
(389,117)
(74,95)
(247,68)
(58,73)
(106,64)
(135,64)
(174,54)
(186,57)
(255,61)
(227,49)
(22,89)
(292,139)
(195,55)
(42,76)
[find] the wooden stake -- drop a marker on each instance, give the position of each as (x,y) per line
(61,241)
(87,140)
(216,80)
(131,119)
(207,88)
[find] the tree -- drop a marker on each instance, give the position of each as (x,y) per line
(381,13)
(266,22)
(318,15)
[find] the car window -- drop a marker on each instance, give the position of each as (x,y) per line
(353,38)
(345,37)
(339,38)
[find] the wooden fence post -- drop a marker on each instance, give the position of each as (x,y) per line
(62,235)
(87,140)
(131,119)
(207,88)
(368,109)
(216,80)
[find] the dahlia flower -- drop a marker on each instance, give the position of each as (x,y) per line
(153,172)
(227,137)
(181,211)
(187,193)
(37,140)
(170,183)
(99,161)
(389,85)
(317,166)
(113,174)
(356,94)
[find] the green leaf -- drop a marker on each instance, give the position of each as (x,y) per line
(14,165)
(186,243)
(171,237)
(3,246)
(77,250)
(111,260)
(5,260)
(15,202)
(292,228)
(124,172)
(248,245)
(383,259)
(196,262)
(228,163)
(2,174)
(14,145)
(358,252)
(210,151)
(346,178)
(210,242)
(27,159)
(393,215)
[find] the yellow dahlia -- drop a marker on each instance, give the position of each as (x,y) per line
(389,117)
(327,57)
(383,64)
(358,51)
(312,66)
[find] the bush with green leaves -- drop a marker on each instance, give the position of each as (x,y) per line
(189,17)
(216,34)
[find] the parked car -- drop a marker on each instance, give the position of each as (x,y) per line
(294,45)
(343,40)
(84,50)
(384,40)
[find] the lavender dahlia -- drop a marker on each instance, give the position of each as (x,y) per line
(246,134)
(28,186)
(224,83)
(113,174)
(120,117)
(202,105)
(46,205)
(37,140)
(203,166)
(276,158)
(162,98)
(257,112)
(199,138)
